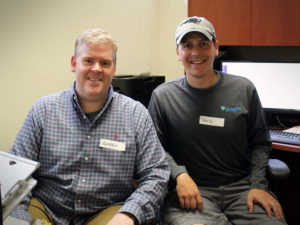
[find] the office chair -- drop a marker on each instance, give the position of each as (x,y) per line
(277,171)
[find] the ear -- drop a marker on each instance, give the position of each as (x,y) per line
(73,63)
(115,70)
(217,48)
(177,53)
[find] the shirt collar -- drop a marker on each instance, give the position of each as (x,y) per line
(219,78)
(75,102)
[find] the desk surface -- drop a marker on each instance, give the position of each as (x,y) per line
(286,147)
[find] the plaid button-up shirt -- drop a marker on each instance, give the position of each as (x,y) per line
(78,176)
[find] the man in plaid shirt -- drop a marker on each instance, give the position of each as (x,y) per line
(92,143)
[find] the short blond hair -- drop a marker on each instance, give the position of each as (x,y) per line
(95,36)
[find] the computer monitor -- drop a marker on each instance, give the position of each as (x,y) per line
(277,83)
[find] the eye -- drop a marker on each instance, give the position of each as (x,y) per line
(106,63)
(87,61)
(187,45)
(204,44)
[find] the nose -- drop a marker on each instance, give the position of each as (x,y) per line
(196,50)
(96,68)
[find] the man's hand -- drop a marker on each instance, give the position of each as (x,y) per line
(266,200)
(122,219)
(188,192)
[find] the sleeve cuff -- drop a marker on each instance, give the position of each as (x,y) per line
(21,213)
(175,171)
(143,214)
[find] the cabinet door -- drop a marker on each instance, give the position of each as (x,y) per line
(230,18)
(276,22)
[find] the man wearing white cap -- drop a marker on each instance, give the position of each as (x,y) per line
(213,129)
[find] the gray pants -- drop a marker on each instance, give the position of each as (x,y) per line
(223,205)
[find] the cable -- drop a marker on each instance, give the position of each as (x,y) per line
(280,123)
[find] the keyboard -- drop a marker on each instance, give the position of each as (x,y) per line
(284,137)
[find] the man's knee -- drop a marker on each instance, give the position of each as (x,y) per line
(104,216)
(37,210)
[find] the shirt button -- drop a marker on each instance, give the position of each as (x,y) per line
(83,180)
(86,158)
(79,201)
(88,137)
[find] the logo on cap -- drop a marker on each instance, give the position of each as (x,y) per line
(192,20)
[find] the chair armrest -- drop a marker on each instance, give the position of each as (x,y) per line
(278,170)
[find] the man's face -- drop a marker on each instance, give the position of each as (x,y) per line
(94,69)
(197,54)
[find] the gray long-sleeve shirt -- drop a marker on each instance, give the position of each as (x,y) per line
(218,134)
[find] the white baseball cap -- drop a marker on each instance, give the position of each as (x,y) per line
(195,24)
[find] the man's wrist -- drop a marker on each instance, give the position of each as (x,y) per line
(180,176)
(130,216)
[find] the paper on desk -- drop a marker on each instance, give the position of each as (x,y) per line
(294,130)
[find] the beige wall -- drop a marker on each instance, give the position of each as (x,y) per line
(37,39)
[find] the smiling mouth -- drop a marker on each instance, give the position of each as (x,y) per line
(94,79)
(198,62)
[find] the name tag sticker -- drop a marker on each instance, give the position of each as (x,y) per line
(115,145)
(212,121)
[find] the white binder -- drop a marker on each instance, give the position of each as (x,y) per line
(15,180)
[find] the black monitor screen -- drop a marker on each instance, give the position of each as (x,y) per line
(277,83)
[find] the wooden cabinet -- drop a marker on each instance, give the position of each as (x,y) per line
(231,19)
(276,22)
(251,22)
